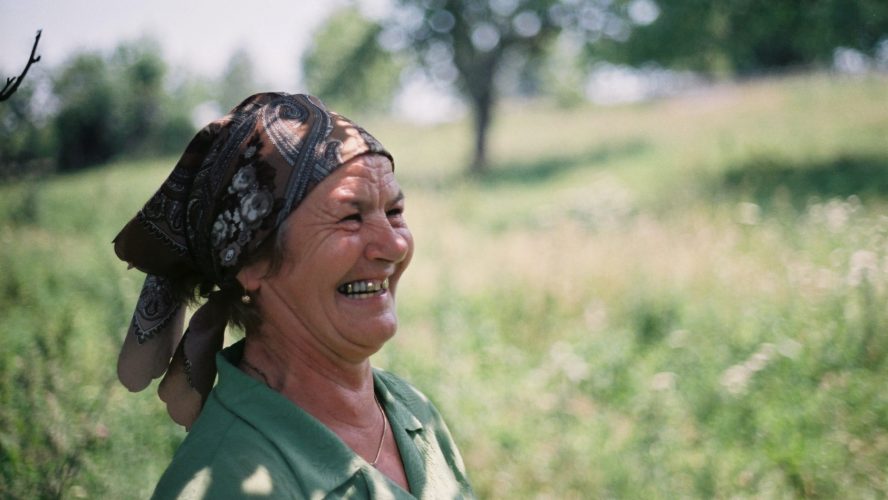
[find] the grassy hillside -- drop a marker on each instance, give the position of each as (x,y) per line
(683,298)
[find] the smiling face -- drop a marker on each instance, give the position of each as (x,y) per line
(346,247)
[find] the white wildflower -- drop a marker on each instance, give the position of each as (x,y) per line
(664,381)
(735,379)
(863,267)
(748,213)
(756,362)
(575,368)
(677,338)
(789,348)
(759,360)
(837,213)
(595,315)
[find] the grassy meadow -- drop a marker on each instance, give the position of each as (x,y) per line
(684,298)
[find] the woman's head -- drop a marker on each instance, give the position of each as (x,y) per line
(238,179)
(224,207)
(346,247)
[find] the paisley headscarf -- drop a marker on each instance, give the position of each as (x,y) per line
(237,181)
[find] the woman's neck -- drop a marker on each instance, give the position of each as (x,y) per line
(336,392)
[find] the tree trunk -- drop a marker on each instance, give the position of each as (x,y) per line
(482,107)
(477,70)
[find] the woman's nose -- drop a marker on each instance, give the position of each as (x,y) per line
(388,243)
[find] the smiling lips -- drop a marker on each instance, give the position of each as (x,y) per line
(364,289)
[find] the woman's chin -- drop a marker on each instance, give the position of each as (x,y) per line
(370,318)
(364,324)
(374,334)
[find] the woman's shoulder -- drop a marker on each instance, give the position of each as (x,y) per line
(223,454)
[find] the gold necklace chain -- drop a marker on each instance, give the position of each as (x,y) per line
(382,437)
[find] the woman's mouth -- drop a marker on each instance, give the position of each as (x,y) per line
(364,289)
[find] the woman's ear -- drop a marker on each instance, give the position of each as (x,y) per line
(251,275)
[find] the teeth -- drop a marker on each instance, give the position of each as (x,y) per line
(365,288)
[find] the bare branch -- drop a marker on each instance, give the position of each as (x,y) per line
(12,83)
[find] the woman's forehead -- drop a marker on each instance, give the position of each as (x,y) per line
(361,180)
(369,165)
(357,177)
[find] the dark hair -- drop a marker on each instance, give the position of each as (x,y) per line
(193,287)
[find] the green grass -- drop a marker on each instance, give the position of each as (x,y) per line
(678,299)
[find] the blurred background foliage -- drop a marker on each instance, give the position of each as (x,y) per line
(745,37)
(348,68)
(681,296)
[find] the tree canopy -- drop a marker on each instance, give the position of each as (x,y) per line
(238,81)
(744,37)
(468,41)
(346,68)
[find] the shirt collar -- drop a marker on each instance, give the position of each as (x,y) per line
(397,412)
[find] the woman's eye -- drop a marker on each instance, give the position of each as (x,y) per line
(352,218)
(395,212)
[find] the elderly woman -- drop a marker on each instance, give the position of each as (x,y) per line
(288,219)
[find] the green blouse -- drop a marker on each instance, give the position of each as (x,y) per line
(251,442)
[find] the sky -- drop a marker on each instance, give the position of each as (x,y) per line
(199,34)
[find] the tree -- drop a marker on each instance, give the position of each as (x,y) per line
(27,141)
(751,36)
(237,82)
(347,69)
(469,40)
(12,83)
(138,70)
(117,104)
(85,124)
(23,134)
